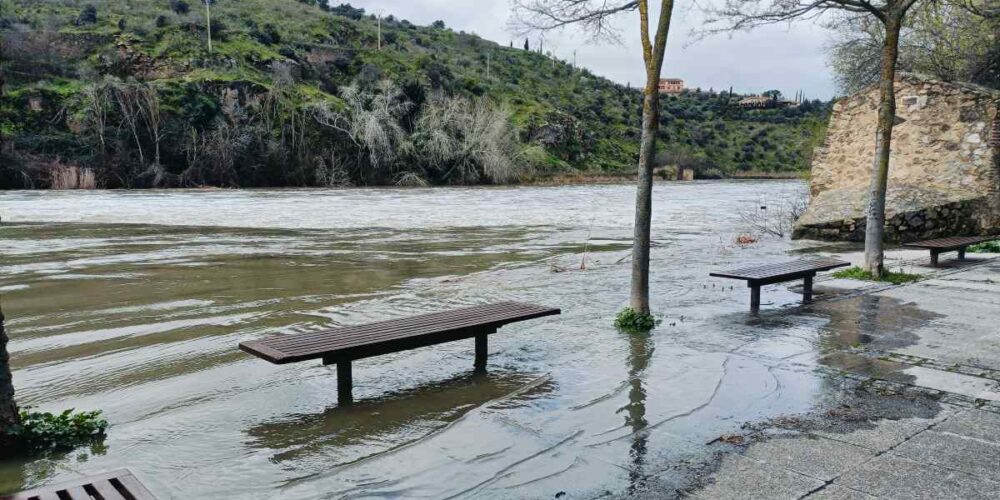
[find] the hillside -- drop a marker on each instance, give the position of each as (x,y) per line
(293,94)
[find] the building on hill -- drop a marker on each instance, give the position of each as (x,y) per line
(671,85)
(765,102)
(944,173)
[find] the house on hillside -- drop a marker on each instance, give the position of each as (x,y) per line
(765,102)
(671,86)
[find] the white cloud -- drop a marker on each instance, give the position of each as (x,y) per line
(789,58)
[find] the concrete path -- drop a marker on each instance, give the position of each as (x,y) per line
(924,418)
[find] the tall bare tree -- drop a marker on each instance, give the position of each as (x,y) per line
(8,408)
(97,104)
(149,102)
(735,15)
(595,16)
(127,98)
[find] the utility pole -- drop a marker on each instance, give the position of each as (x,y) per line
(379,14)
(208,23)
(488,57)
(574,58)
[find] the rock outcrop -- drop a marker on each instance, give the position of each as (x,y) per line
(944,173)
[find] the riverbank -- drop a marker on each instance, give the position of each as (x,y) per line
(628,177)
(559,179)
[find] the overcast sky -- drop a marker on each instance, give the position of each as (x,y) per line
(788,58)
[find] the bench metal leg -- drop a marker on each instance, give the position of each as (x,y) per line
(754,298)
(961,253)
(481,352)
(344,383)
(807,289)
(934,258)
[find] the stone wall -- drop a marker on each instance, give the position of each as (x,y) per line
(944,172)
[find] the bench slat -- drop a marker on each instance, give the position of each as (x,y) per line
(392,329)
(136,489)
(77,493)
(382,336)
(405,327)
(772,271)
(952,243)
(388,329)
(77,489)
(107,490)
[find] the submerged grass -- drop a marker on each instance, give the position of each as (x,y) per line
(896,278)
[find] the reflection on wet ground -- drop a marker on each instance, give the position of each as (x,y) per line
(329,436)
(143,321)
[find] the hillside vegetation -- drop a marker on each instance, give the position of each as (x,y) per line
(128,94)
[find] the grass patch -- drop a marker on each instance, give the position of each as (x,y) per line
(40,431)
(629,320)
(986,247)
(896,278)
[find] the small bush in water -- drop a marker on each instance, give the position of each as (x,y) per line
(42,431)
(631,321)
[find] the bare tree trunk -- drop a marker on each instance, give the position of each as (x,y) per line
(639,300)
(8,408)
(652,53)
(875,227)
(128,103)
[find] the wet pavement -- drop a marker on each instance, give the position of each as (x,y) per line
(919,413)
(108,311)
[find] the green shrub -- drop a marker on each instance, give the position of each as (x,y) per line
(88,15)
(856,273)
(986,247)
(44,431)
(631,321)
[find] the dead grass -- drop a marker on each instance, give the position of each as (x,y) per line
(71,176)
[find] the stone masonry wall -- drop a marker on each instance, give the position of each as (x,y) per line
(944,172)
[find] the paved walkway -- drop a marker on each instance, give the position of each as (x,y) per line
(921,418)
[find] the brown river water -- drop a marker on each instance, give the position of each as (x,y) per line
(134,303)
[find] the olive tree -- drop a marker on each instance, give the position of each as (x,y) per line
(371,123)
(595,17)
(734,15)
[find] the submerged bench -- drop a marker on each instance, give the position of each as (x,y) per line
(804,269)
(117,485)
(942,245)
(340,346)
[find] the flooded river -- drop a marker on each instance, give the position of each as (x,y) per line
(134,303)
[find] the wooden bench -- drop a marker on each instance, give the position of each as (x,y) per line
(341,346)
(759,276)
(116,485)
(942,245)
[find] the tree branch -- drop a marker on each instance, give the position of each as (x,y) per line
(740,15)
(551,15)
